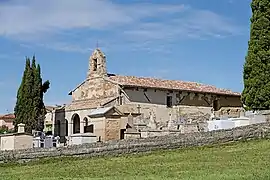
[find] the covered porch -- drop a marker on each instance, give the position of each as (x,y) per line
(107,123)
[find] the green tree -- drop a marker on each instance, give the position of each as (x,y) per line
(256,74)
(30,108)
(23,106)
(38,92)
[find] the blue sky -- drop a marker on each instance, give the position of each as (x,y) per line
(193,40)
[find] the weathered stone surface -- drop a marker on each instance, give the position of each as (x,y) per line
(95,88)
(112,129)
(230,112)
(119,147)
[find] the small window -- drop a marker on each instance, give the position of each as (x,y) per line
(94,64)
(121,100)
(169,101)
(215,105)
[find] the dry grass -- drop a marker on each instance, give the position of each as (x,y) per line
(249,160)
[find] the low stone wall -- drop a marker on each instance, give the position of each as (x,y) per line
(116,148)
(155,133)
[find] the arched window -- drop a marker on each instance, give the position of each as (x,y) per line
(94,64)
(85,124)
(85,121)
(76,123)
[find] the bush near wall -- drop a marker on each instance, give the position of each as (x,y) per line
(120,147)
(4,129)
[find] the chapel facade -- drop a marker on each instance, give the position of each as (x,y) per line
(107,104)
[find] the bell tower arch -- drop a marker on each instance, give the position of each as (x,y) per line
(97,64)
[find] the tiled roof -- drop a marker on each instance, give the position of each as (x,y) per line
(50,108)
(57,107)
(169,84)
(88,103)
(7,116)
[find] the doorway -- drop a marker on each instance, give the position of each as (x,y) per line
(122,133)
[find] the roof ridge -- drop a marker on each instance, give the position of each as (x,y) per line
(178,80)
(170,84)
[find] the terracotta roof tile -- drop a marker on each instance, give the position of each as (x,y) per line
(88,103)
(7,116)
(51,108)
(170,85)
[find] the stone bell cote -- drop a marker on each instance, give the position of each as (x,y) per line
(97,64)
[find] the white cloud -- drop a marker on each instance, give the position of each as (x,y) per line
(60,46)
(50,16)
(192,24)
(43,22)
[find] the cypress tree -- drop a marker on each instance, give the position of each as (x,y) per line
(39,103)
(36,92)
(256,74)
(18,110)
(30,108)
(23,107)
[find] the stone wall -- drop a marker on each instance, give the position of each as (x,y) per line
(95,88)
(158,96)
(119,147)
(190,114)
(112,127)
(162,114)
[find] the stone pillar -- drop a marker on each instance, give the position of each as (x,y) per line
(53,122)
(81,126)
(70,127)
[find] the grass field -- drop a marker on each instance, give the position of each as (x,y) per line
(250,160)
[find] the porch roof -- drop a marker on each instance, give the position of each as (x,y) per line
(102,111)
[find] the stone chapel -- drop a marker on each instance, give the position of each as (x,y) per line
(107,104)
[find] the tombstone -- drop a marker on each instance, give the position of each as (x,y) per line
(212,115)
(171,124)
(152,123)
(130,120)
(130,127)
(242,112)
(21,128)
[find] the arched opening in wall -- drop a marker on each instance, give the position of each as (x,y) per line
(76,123)
(122,133)
(89,128)
(85,121)
(95,64)
(216,105)
(57,127)
(66,123)
(85,124)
